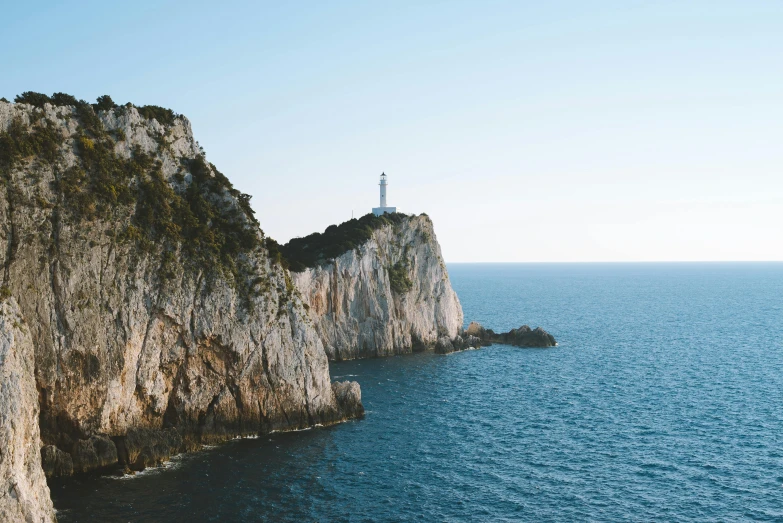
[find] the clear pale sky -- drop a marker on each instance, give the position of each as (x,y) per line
(529,131)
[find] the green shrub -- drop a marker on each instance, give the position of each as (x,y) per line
(213,232)
(104,103)
(273,248)
(42,202)
(39,99)
(77,198)
(336,240)
(120,110)
(162,115)
(89,121)
(398,278)
(63,99)
(32,98)
(18,143)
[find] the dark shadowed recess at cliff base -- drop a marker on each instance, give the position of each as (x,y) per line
(661,404)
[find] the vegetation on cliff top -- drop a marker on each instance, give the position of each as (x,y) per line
(195,217)
(317,248)
(211,229)
(103,103)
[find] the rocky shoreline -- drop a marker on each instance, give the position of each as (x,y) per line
(143,447)
(144,313)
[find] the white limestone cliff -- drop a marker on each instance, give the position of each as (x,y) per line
(130,351)
(356,312)
(137,355)
(24,495)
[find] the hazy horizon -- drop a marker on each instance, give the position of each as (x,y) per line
(609,262)
(528,132)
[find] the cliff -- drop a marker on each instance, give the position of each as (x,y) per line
(389,295)
(158,320)
(24,495)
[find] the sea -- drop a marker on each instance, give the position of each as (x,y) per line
(663,401)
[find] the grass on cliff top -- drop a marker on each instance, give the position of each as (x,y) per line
(317,248)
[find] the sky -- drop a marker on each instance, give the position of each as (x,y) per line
(558,131)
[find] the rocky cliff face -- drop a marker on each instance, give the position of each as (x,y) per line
(24,495)
(158,320)
(390,295)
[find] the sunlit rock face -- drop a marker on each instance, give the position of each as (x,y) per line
(359,312)
(130,334)
(24,495)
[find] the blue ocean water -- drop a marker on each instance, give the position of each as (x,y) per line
(662,402)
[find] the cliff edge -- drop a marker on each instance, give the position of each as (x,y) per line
(158,319)
(390,294)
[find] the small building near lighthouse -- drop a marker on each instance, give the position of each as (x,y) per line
(383,209)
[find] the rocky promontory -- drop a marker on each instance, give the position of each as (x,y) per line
(152,315)
(378,286)
(388,293)
(143,311)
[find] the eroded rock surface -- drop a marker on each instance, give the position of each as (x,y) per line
(356,312)
(56,462)
(134,340)
(24,495)
(142,447)
(349,398)
(95,452)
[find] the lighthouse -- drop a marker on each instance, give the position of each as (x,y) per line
(377,211)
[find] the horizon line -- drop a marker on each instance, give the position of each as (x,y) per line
(610,261)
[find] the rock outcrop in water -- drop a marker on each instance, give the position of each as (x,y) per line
(155,318)
(360,309)
(524,336)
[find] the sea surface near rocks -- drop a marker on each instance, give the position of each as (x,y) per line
(663,401)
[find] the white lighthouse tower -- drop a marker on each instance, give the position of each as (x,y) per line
(377,211)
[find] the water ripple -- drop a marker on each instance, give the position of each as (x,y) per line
(662,403)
